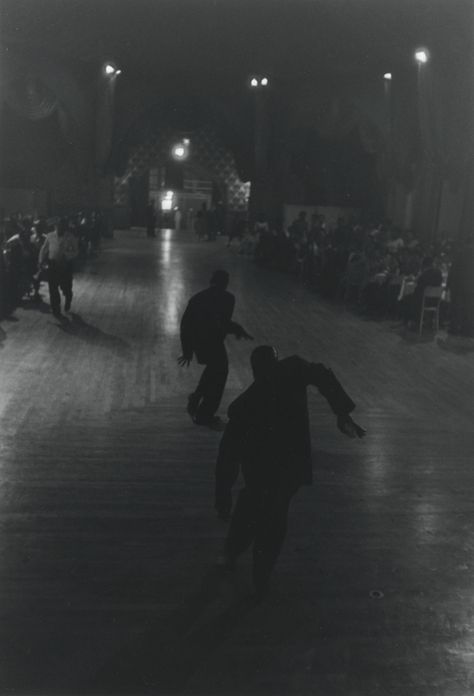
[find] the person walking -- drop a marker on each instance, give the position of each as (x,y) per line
(268,437)
(205,324)
(58,252)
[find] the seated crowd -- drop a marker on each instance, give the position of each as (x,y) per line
(375,268)
(21,239)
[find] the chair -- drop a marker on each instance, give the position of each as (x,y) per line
(430,304)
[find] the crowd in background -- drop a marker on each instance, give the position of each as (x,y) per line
(361,264)
(21,239)
(366,265)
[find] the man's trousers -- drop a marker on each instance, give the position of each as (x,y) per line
(59,277)
(212,384)
(260,517)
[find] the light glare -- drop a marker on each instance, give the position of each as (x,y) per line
(387,76)
(421,56)
(264,81)
(254,82)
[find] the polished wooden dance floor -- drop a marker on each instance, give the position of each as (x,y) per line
(108,536)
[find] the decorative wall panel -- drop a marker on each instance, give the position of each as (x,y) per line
(207,154)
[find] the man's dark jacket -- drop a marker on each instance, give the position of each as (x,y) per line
(206,322)
(269,423)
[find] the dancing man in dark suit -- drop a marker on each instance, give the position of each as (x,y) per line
(206,322)
(268,436)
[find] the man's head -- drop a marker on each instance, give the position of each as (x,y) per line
(263,359)
(220,279)
(63,226)
(427,262)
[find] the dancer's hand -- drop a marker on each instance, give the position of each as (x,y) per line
(184,361)
(349,427)
(243,334)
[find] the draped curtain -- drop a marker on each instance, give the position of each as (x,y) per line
(444,97)
(105,121)
(38,90)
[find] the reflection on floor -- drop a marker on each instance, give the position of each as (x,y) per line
(108,536)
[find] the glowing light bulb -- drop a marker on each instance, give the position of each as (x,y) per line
(421,56)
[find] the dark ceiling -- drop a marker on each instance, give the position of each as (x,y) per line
(225,40)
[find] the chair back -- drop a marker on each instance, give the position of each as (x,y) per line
(433,292)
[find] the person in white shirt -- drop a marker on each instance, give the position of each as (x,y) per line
(58,252)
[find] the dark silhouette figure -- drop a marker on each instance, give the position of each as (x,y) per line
(59,250)
(268,436)
(206,322)
(150,216)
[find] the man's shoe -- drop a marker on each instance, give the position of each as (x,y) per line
(193,403)
(214,423)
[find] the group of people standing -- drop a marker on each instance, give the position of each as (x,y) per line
(37,250)
(267,435)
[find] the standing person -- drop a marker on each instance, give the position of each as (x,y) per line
(206,322)
(59,250)
(150,217)
(201,222)
(177,219)
(237,229)
(212,224)
(268,435)
(299,228)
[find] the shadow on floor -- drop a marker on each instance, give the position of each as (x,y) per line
(91,334)
(412,337)
(456,344)
(164,658)
(3,335)
(36,304)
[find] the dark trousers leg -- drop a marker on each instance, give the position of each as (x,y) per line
(212,384)
(243,526)
(271,532)
(227,471)
(66,286)
(54,296)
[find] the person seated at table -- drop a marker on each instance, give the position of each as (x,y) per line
(396,241)
(430,276)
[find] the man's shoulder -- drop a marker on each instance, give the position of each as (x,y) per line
(210,292)
(202,294)
(294,371)
(240,405)
(292,362)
